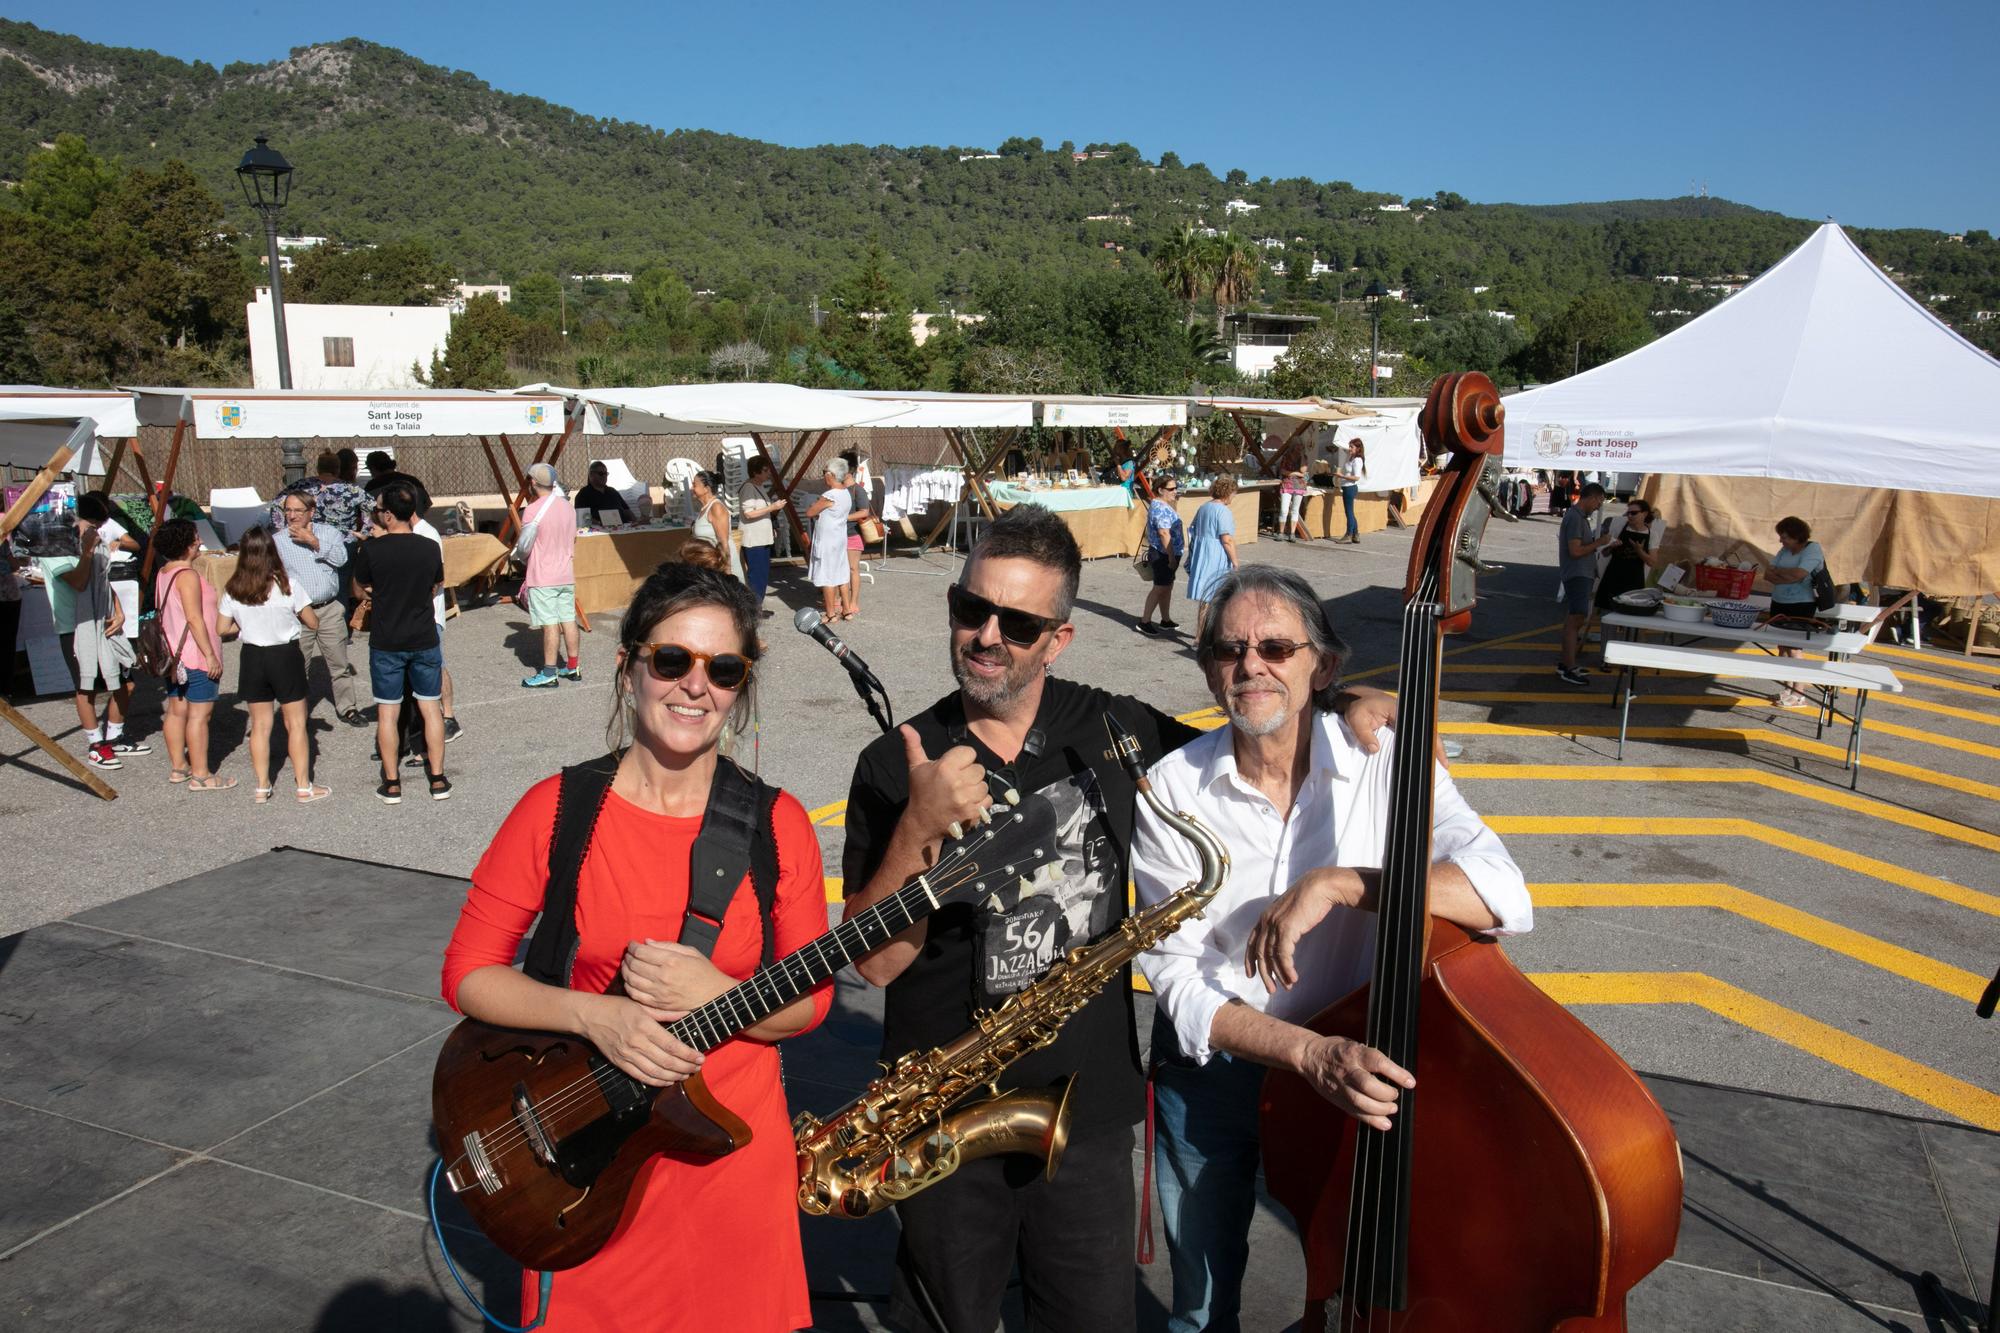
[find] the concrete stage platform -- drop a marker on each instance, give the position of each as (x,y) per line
(215,1097)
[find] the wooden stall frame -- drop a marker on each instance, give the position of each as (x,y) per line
(37,488)
(158,495)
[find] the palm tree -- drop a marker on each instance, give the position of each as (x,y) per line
(1236,266)
(1183,262)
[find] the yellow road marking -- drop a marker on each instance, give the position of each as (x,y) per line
(1954,1096)
(1811,791)
(1664,827)
(1937,659)
(1828,935)
(1391,667)
(1915,773)
(1716,702)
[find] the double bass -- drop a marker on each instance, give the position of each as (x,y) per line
(1529,1180)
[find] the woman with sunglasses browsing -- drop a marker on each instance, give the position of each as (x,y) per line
(686,662)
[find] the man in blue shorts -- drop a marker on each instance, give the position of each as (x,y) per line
(396,575)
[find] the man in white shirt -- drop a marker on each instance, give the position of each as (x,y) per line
(1303,809)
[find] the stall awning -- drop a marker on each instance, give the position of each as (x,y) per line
(953,411)
(30,441)
(706,409)
(269,414)
(1112,412)
(1296,409)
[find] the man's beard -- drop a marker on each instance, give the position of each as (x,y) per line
(994,694)
(1278,717)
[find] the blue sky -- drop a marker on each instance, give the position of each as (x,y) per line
(1873,114)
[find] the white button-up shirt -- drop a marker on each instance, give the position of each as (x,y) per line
(1339,818)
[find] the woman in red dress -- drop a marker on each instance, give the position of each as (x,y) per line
(709,1244)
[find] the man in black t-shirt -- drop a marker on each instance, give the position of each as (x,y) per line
(1009,618)
(396,575)
(598,498)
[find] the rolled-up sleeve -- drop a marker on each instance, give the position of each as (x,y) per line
(332,548)
(1460,836)
(1184,968)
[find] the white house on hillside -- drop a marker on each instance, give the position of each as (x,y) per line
(346,346)
(1240,206)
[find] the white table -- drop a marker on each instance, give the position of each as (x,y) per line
(1840,643)
(1826,677)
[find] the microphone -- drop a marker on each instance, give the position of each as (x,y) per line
(808,621)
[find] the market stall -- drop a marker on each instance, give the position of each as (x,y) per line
(50,431)
(1821,390)
(276,414)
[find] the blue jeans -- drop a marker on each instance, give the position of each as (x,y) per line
(1347,501)
(422,669)
(757,569)
(1206,1154)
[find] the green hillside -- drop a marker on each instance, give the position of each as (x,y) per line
(501,187)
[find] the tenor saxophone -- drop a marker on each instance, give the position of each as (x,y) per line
(914,1125)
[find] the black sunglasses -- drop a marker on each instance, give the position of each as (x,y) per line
(671,661)
(1231,651)
(971,611)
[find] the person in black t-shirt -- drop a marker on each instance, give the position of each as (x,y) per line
(1009,619)
(599,498)
(396,576)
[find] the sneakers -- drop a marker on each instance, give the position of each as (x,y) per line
(123,746)
(452,731)
(1170,625)
(101,755)
(576,672)
(545,679)
(1573,675)
(1147,627)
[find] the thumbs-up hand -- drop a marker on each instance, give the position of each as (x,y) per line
(947,794)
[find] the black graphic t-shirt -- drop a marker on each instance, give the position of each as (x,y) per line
(977,954)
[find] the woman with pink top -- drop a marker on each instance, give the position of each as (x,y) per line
(188,622)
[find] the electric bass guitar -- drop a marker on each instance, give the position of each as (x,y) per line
(542,1137)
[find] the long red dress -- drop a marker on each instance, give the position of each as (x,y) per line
(714,1244)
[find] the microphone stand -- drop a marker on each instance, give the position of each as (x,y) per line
(883,712)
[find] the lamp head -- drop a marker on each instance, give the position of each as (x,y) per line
(265,176)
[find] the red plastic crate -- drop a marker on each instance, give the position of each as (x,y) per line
(1723,581)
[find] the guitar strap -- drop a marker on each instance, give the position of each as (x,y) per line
(736,838)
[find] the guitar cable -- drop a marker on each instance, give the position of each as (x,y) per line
(547,1279)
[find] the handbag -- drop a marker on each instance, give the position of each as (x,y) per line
(871,530)
(1825,596)
(155,659)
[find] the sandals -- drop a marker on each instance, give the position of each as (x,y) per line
(440,786)
(390,792)
(210,783)
(313,792)
(179,775)
(260,795)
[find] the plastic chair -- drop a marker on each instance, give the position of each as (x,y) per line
(235,510)
(680,488)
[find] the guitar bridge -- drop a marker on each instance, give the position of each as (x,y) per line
(531,1126)
(482,1168)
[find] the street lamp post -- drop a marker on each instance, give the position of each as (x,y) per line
(266,179)
(1376,291)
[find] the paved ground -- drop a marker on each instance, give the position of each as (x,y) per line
(1719,906)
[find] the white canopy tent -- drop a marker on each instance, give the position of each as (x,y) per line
(1392,447)
(37,421)
(1839,398)
(1821,370)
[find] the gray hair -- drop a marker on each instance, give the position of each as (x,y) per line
(1284,586)
(837,468)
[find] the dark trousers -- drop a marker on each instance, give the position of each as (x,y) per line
(1072,1236)
(10,625)
(757,570)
